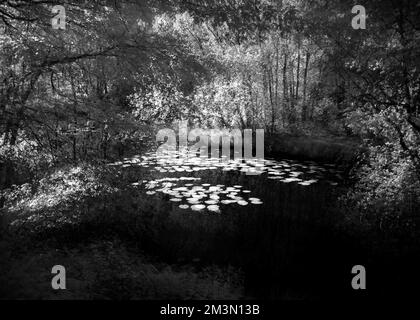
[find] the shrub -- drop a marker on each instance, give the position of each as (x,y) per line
(387,191)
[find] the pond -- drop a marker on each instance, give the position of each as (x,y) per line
(276,225)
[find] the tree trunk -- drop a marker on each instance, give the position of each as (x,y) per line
(285,88)
(305,80)
(298,72)
(273,115)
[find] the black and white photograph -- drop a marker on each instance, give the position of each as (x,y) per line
(232,152)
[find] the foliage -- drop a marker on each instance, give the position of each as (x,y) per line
(160,105)
(387,189)
(211,99)
(386,194)
(27,157)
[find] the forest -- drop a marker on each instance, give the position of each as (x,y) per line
(86,86)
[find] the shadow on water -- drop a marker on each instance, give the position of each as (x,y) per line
(279,232)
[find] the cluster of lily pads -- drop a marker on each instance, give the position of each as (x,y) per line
(199,196)
(189,193)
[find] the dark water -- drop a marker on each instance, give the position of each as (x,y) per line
(278,226)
